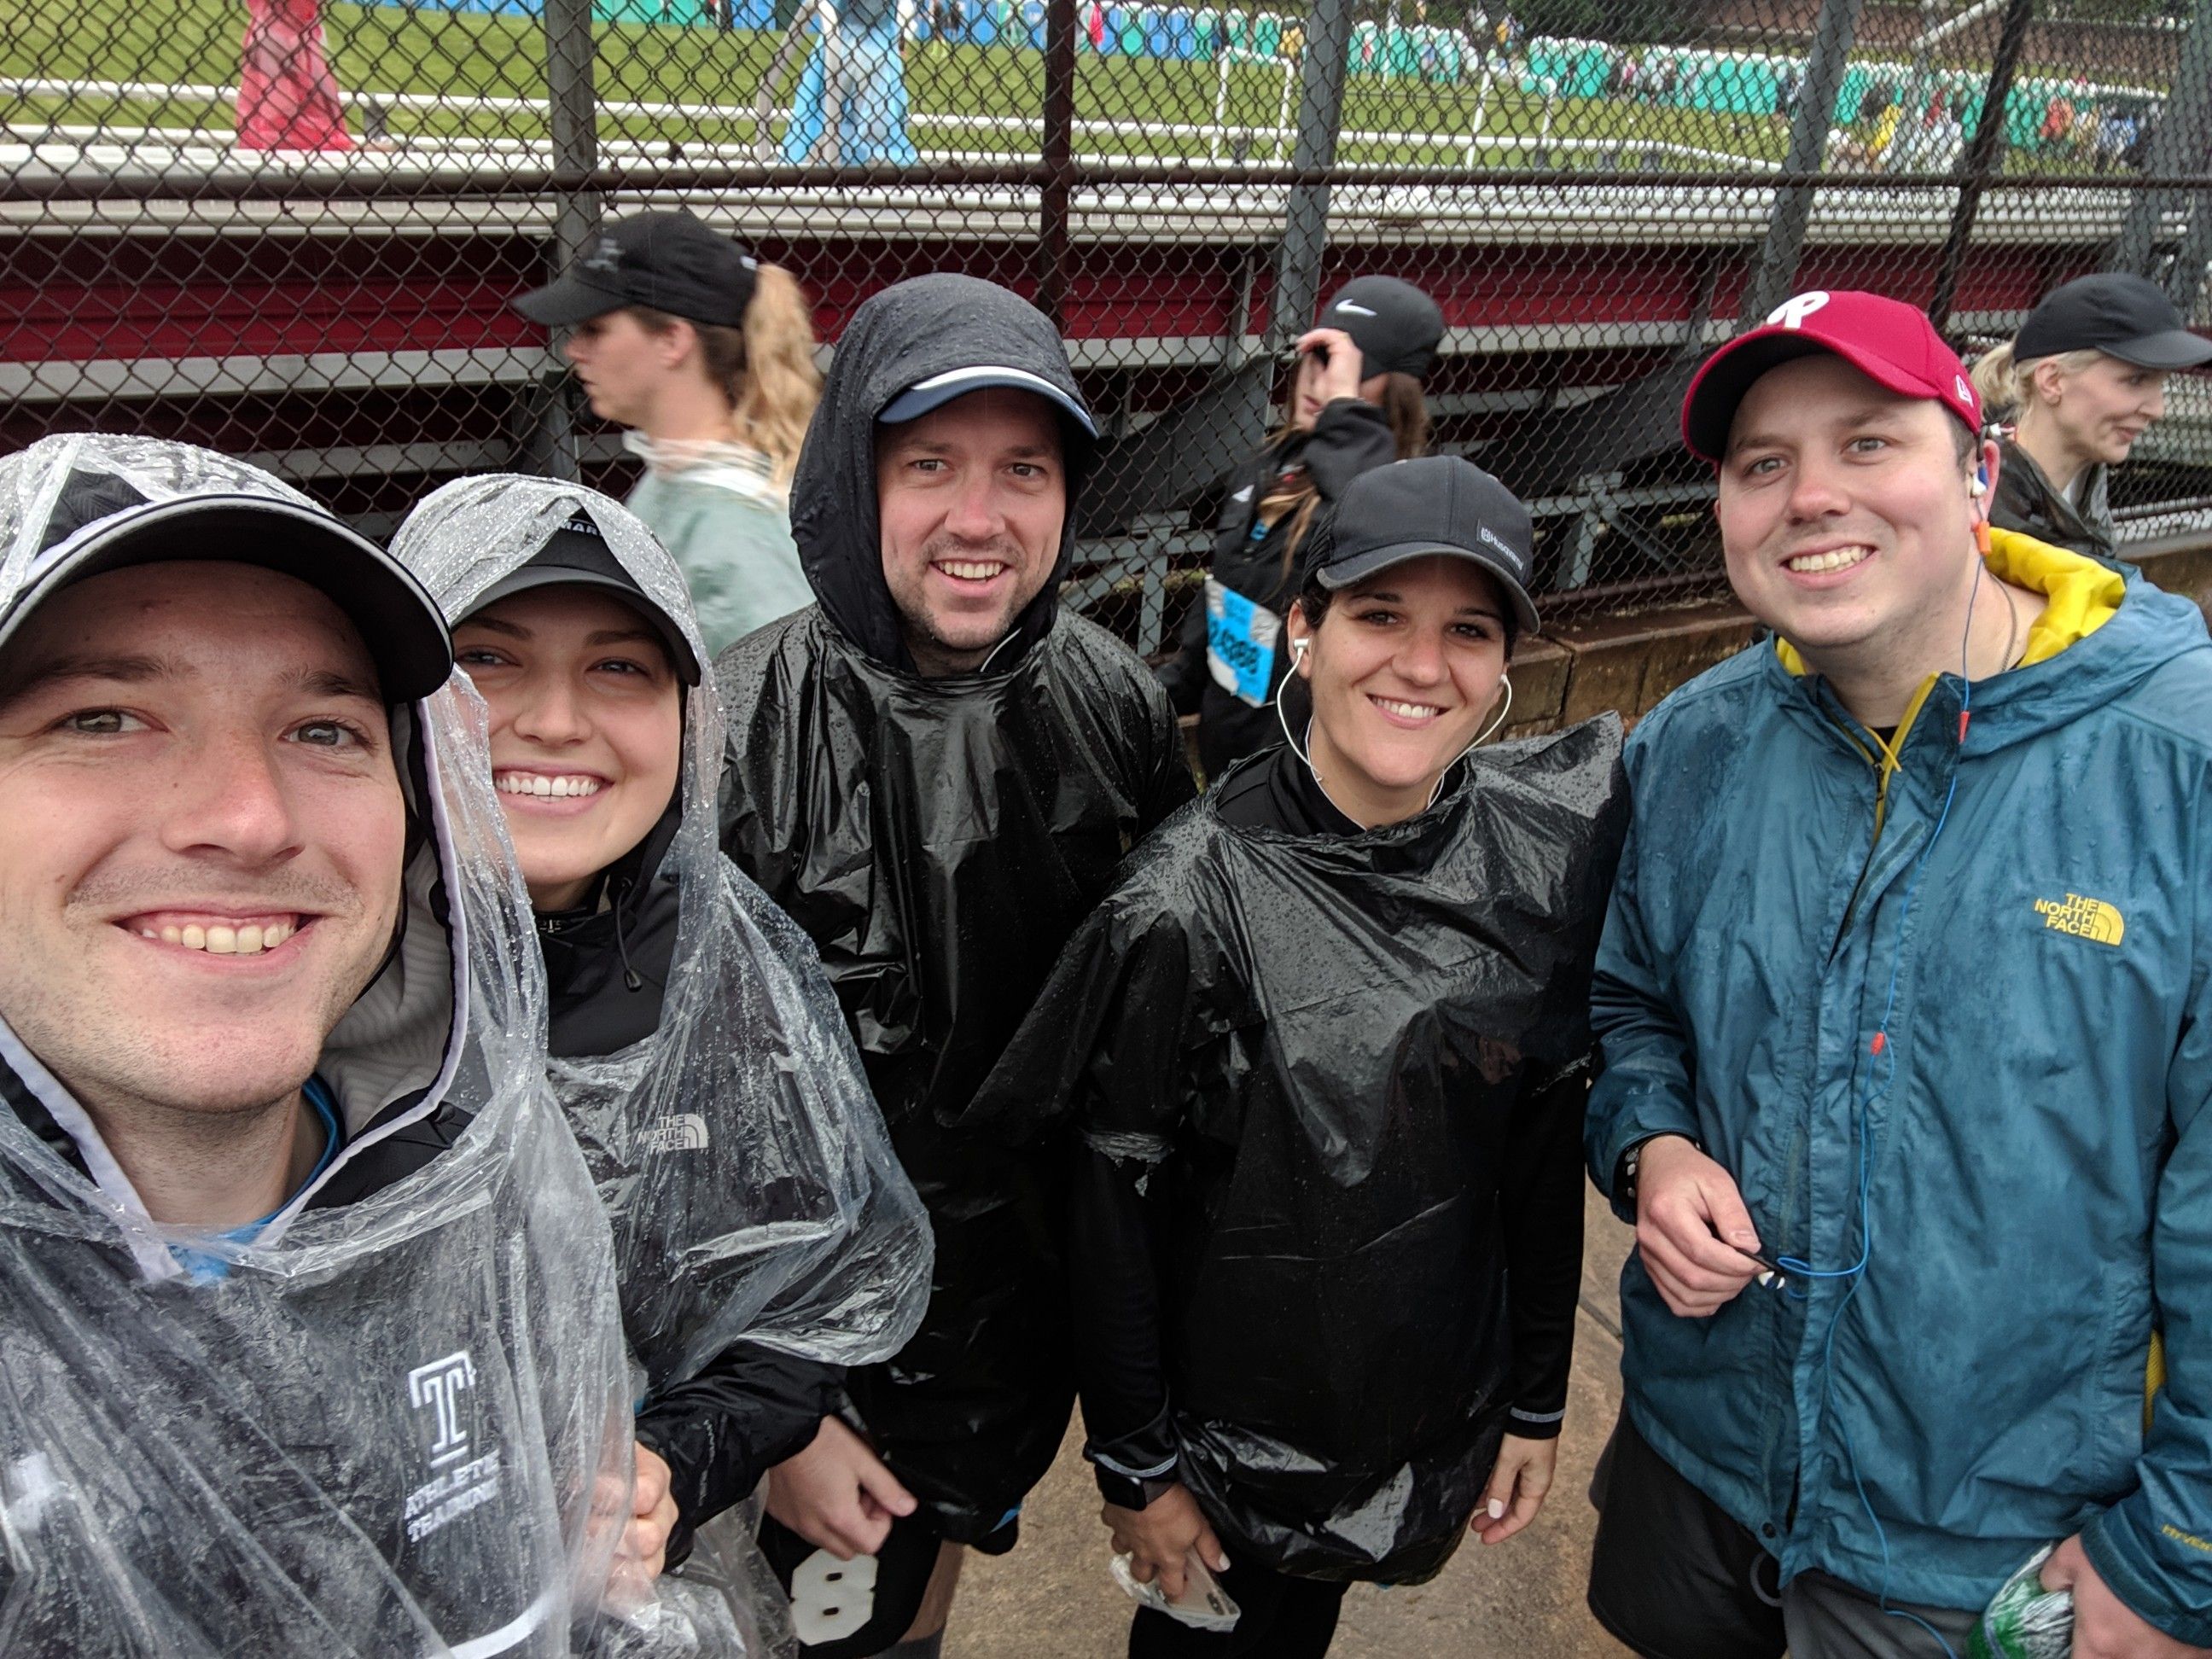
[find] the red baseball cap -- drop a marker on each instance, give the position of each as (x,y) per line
(1892,344)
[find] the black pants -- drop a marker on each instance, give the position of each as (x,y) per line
(1674,1576)
(1279,1617)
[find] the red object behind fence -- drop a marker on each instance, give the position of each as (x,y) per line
(287,99)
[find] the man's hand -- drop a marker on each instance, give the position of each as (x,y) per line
(836,1494)
(1691,1227)
(1342,368)
(1159,1537)
(1518,1481)
(643,1549)
(2106,1627)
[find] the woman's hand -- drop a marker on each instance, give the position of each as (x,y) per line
(1518,1481)
(1159,1537)
(838,1494)
(1337,366)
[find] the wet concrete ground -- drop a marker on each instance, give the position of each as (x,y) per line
(1051,1598)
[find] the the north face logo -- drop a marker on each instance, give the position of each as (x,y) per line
(686,1132)
(2084,918)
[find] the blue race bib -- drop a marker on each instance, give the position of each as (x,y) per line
(1240,643)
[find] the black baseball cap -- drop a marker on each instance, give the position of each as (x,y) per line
(577,556)
(934,392)
(670,262)
(1396,327)
(101,522)
(2117,314)
(1435,504)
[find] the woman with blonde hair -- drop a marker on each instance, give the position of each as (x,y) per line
(706,356)
(2078,385)
(1356,404)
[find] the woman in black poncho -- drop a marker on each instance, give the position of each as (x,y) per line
(1322,1046)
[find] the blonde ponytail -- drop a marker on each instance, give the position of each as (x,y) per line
(781,384)
(1997,381)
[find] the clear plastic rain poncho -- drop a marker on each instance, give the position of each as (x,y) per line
(394,1425)
(751,1185)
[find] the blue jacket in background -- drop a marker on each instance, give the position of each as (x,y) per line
(2039,1160)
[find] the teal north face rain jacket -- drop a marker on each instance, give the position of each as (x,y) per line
(2036,1150)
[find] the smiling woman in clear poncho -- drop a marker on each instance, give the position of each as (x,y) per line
(765,1236)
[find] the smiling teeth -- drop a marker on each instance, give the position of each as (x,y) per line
(968,571)
(1840,559)
(218,940)
(1411,711)
(534,783)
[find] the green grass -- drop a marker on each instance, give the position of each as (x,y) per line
(389,49)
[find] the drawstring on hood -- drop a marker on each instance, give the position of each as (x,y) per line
(624,887)
(910,333)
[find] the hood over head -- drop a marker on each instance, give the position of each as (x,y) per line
(391,1418)
(392,1059)
(721,1104)
(914,331)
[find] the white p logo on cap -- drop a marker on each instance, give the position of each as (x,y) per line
(1793,312)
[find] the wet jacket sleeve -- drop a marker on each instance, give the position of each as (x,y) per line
(720,1432)
(1542,1189)
(1117,1322)
(1101,1047)
(1643,1080)
(2154,1548)
(1350,437)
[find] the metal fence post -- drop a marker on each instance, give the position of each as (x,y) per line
(2177,147)
(1980,163)
(1305,218)
(572,112)
(1776,269)
(1059,154)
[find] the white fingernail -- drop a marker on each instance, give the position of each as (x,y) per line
(1497,1509)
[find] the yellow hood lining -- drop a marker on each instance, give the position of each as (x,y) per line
(2080,597)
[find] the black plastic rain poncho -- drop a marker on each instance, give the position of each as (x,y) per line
(394,1425)
(1317,1063)
(758,1209)
(938,839)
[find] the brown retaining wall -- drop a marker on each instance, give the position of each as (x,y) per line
(1628,662)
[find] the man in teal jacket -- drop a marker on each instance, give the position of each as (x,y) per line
(1907,1043)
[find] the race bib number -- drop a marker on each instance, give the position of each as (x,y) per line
(1240,643)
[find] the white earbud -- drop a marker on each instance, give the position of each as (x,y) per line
(1976,488)
(1298,648)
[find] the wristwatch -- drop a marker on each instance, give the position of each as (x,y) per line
(1127,1492)
(1632,1160)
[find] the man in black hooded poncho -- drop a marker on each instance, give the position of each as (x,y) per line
(935,770)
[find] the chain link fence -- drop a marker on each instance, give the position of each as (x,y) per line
(289,229)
